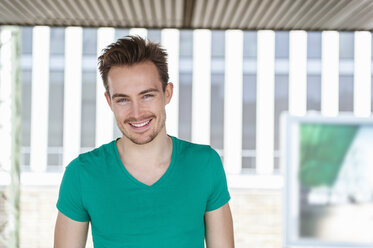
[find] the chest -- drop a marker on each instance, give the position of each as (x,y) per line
(146,175)
(171,211)
(122,205)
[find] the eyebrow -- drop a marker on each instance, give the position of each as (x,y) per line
(141,93)
(148,91)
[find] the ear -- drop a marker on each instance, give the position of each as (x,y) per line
(168,92)
(108,99)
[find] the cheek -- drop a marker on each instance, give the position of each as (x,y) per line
(156,109)
(157,105)
(120,112)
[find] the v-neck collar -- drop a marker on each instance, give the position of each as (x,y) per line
(139,183)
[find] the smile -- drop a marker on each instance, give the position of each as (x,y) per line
(141,124)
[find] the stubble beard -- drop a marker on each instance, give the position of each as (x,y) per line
(150,137)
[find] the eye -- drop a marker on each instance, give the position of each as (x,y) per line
(148,96)
(122,100)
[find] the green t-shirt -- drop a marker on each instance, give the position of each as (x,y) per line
(126,213)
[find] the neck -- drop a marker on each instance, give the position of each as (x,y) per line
(156,153)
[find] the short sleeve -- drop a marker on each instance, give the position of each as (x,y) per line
(219,195)
(70,201)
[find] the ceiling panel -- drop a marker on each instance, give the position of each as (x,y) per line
(341,15)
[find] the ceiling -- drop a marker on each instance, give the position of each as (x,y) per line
(342,15)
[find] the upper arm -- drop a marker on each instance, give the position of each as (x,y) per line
(69,233)
(218,188)
(219,228)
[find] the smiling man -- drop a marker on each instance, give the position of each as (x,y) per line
(146,189)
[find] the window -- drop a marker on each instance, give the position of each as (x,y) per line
(249,121)
(90,41)
(281,104)
(55,116)
(314,45)
(88,121)
(346,90)
(346,45)
(185,84)
(57,41)
(282,45)
(217,111)
(26,35)
(314,92)
(250,44)
(186,44)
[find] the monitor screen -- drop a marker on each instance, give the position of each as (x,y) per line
(328,170)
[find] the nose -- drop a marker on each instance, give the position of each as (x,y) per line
(136,110)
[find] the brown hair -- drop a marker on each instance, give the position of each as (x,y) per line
(132,50)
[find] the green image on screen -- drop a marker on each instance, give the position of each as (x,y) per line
(323,148)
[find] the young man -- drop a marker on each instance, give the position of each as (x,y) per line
(145,189)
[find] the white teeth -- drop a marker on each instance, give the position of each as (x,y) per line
(140,124)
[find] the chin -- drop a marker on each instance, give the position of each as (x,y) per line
(142,140)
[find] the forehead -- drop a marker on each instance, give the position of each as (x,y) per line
(134,78)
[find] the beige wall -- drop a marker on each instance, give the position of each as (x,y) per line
(256,214)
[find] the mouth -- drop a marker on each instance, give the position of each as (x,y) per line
(140,125)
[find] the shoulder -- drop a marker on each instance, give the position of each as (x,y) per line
(93,157)
(197,152)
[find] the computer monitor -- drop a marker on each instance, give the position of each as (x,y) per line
(328,173)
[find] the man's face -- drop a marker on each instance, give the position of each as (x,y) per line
(138,101)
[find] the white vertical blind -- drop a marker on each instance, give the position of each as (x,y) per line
(330,73)
(170,41)
(233,101)
(201,92)
(39,98)
(201,88)
(104,116)
(142,32)
(297,72)
(362,74)
(72,93)
(265,102)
